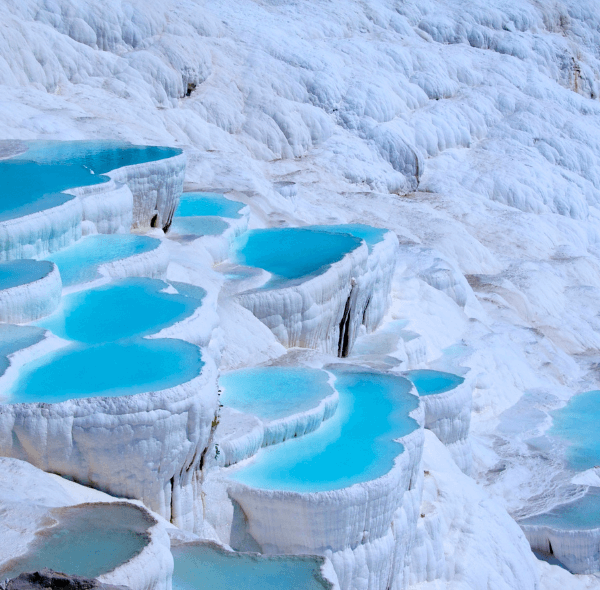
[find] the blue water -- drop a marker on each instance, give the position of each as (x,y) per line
(577,423)
(293,253)
(274,392)
(21,272)
(207,204)
(122,309)
(355,445)
(79,263)
(13,338)
(582,514)
(112,369)
(198,226)
(205,567)
(371,235)
(89,540)
(431,382)
(33,181)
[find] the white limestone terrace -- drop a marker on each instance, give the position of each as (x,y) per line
(29,290)
(56,191)
(326,282)
(49,520)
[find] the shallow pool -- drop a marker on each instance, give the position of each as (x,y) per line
(207,204)
(292,253)
(371,235)
(274,392)
(206,567)
(88,540)
(355,445)
(198,226)
(122,309)
(577,423)
(430,382)
(21,272)
(13,338)
(112,369)
(33,181)
(79,263)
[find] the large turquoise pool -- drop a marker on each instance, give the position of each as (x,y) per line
(274,392)
(292,253)
(79,263)
(34,180)
(207,204)
(371,235)
(430,382)
(21,272)
(355,445)
(88,540)
(206,567)
(111,369)
(122,309)
(198,226)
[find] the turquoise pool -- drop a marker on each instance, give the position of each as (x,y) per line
(34,180)
(122,309)
(79,263)
(355,445)
(292,253)
(371,235)
(111,369)
(21,272)
(89,540)
(430,382)
(198,226)
(206,567)
(208,204)
(274,392)
(13,338)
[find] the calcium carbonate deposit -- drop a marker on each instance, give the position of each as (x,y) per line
(301,294)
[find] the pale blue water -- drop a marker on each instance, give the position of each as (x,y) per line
(582,514)
(371,235)
(198,226)
(292,253)
(112,369)
(430,382)
(577,423)
(207,204)
(355,445)
(204,567)
(33,181)
(274,392)
(122,309)
(79,263)
(21,272)
(89,540)
(13,338)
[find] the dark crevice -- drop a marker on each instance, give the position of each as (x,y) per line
(550,548)
(190,88)
(172,498)
(344,339)
(154,220)
(365,310)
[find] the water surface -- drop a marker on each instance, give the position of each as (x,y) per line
(22,272)
(430,382)
(196,204)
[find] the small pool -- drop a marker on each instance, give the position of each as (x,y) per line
(206,567)
(208,204)
(22,272)
(430,382)
(198,226)
(79,263)
(272,393)
(13,338)
(371,235)
(122,309)
(88,540)
(112,369)
(355,445)
(581,514)
(292,253)
(577,423)
(34,180)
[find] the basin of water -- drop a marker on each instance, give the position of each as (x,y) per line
(371,235)
(122,309)
(111,369)
(430,382)
(22,272)
(356,445)
(13,338)
(292,253)
(34,180)
(206,567)
(87,540)
(208,204)
(272,393)
(198,226)
(79,263)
